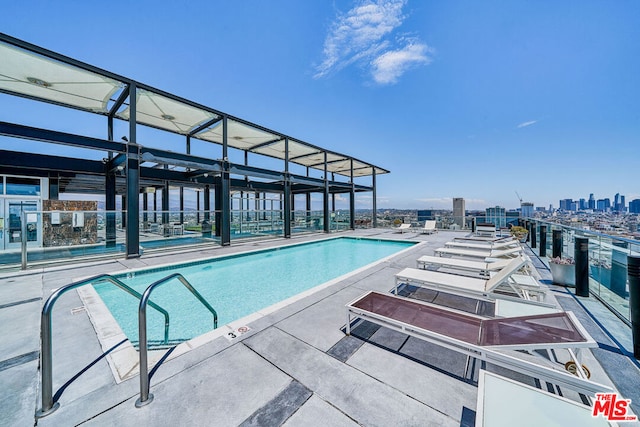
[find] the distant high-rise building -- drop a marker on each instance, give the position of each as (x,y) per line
(526,210)
(634,206)
(592,202)
(600,205)
(582,204)
(511,217)
(497,215)
(607,204)
(458,211)
(565,204)
(623,205)
(616,202)
(424,215)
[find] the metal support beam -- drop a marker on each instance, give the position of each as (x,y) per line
(207,202)
(181,204)
(45,135)
(145,207)
(326,197)
(225,189)
(352,202)
(110,207)
(375,204)
(165,203)
(155,206)
(133,182)
(287,192)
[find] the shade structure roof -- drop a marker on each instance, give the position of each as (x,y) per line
(33,72)
(35,76)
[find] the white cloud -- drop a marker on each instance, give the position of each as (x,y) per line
(389,66)
(359,36)
(525,124)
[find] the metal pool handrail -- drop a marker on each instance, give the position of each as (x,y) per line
(48,404)
(145,377)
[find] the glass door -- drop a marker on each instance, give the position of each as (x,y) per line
(13,223)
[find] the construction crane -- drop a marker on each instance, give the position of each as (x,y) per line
(519,198)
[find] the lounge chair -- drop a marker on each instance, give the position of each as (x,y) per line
(503,401)
(479,253)
(488,340)
(484,245)
(429,227)
(482,239)
(505,281)
(486,230)
(403,228)
(481,268)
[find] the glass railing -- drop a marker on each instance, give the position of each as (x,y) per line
(60,236)
(256,223)
(307,222)
(607,262)
(47,236)
(165,229)
(339,221)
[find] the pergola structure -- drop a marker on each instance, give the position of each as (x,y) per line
(38,74)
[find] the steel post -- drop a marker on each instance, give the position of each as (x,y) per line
(581,251)
(633,274)
(543,240)
(557,244)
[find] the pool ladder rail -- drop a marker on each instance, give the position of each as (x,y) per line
(146,397)
(50,401)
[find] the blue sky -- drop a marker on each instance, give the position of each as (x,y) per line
(456,98)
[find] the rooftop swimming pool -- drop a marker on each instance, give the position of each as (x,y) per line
(238,285)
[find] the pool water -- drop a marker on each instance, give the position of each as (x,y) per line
(238,285)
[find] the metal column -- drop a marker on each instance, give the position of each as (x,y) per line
(287,192)
(325,206)
(375,204)
(133,181)
(165,203)
(543,240)
(556,243)
(532,232)
(633,273)
(581,253)
(110,207)
(225,190)
(352,202)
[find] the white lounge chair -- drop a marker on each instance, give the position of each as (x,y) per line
(504,280)
(429,227)
(481,268)
(484,245)
(488,340)
(473,238)
(404,227)
(479,253)
(486,230)
(505,402)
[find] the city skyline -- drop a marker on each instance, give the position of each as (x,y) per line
(460,99)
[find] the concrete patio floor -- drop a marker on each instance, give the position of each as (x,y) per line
(295,367)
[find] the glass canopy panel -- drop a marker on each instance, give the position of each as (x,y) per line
(239,135)
(298,149)
(317,160)
(29,74)
(166,113)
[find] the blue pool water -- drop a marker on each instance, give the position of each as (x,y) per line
(238,285)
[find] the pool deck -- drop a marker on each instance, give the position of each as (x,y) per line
(295,367)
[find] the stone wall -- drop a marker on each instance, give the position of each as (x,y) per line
(69,224)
